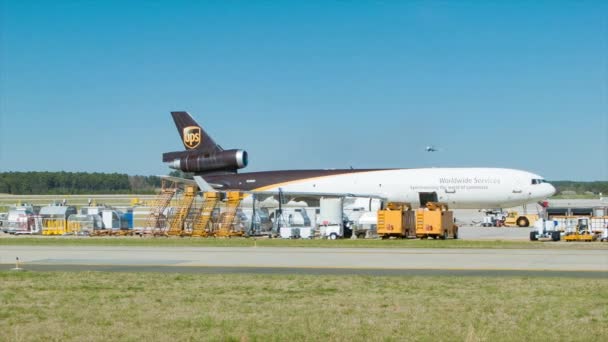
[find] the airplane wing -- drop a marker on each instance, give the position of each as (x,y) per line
(311,198)
(285,196)
(197,181)
(315,195)
(178,180)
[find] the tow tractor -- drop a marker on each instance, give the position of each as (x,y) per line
(514,219)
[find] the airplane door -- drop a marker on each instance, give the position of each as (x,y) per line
(426,197)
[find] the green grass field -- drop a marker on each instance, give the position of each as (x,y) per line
(264,242)
(98,306)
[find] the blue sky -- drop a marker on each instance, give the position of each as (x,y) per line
(88,85)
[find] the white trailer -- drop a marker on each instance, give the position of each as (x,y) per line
(332,209)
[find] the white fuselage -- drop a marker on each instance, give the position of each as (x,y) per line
(461,188)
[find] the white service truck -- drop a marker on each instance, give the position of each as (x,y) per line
(545,229)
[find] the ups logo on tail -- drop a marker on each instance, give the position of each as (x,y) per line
(192,136)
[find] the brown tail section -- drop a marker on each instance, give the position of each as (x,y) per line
(193,136)
(202,154)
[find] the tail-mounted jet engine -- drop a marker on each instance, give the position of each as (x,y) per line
(226,160)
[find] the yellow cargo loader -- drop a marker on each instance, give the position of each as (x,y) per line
(397,220)
(435,221)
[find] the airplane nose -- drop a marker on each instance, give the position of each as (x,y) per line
(552,190)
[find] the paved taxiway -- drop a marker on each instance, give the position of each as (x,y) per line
(289,259)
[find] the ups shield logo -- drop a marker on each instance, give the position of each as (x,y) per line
(192,136)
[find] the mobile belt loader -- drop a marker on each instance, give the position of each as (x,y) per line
(435,221)
(397,220)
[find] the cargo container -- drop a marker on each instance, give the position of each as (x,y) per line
(55,219)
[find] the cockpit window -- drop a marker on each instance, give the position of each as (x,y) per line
(538,181)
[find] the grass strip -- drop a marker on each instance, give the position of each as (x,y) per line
(101,306)
(265,242)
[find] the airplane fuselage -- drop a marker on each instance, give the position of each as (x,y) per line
(461,188)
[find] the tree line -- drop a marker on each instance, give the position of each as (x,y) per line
(581,188)
(65,183)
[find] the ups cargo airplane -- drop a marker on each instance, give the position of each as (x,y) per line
(461,188)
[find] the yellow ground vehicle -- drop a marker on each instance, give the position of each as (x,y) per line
(397,220)
(435,221)
(514,219)
(582,232)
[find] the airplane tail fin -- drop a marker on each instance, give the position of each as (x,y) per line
(193,135)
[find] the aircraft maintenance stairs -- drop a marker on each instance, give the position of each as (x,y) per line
(155,222)
(199,229)
(176,222)
(226,226)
